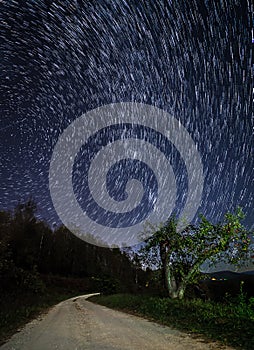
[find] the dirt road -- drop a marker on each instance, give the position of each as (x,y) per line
(77,324)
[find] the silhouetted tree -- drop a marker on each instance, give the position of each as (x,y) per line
(182,253)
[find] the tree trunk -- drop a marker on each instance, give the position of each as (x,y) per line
(171,282)
(175,291)
(163,256)
(186,280)
(181,291)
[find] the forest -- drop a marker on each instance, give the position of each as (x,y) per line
(41,266)
(31,250)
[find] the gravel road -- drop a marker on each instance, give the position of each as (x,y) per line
(77,324)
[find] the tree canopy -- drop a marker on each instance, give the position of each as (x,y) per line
(181,254)
(29,247)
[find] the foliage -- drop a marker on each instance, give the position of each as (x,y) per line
(29,247)
(19,307)
(182,253)
(106,285)
(34,259)
(229,322)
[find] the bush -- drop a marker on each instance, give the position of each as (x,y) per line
(30,281)
(231,322)
(106,285)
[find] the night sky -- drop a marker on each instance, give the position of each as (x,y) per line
(192,59)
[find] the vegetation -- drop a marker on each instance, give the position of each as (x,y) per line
(40,266)
(231,322)
(29,248)
(17,309)
(179,256)
(182,253)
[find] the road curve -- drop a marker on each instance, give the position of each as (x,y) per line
(78,324)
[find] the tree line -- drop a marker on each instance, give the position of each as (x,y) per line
(29,247)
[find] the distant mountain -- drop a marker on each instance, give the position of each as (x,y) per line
(220,283)
(248,272)
(229,274)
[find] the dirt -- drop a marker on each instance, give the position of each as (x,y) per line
(77,324)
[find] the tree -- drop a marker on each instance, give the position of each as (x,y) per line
(182,253)
(135,260)
(26,234)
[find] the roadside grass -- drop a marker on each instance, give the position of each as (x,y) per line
(231,322)
(17,310)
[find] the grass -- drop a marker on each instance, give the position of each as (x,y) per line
(16,311)
(231,322)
